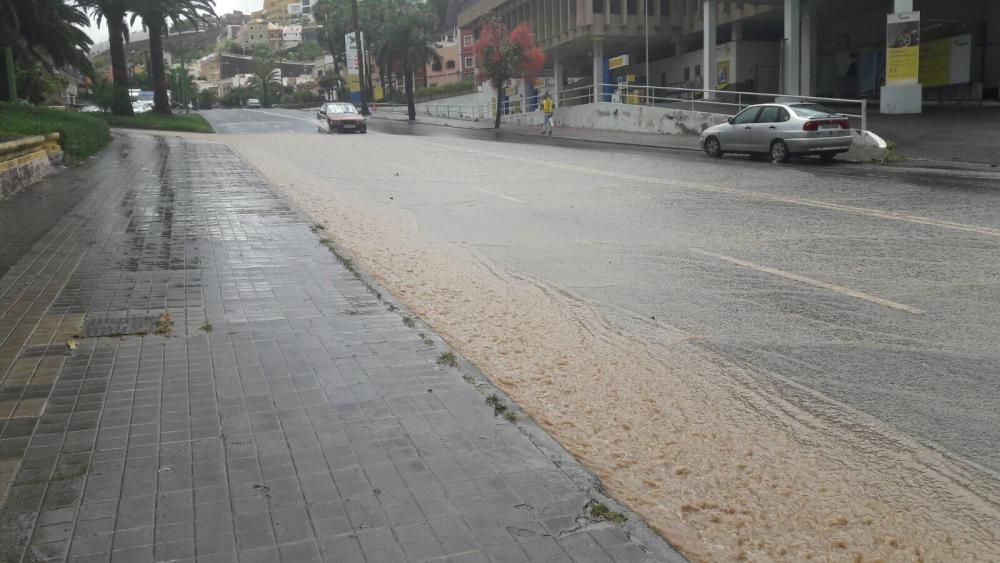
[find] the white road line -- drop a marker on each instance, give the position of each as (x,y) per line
(891,215)
(810,281)
(507,197)
(283,115)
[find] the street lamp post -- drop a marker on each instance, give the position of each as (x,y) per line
(645,30)
(183,77)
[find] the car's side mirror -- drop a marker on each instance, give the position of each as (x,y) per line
(731,120)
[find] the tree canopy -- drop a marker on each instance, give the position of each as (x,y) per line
(42,33)
(505,55)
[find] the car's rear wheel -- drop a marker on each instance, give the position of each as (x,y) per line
(713,148)
(828,156)
(779,151)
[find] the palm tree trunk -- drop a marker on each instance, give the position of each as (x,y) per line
(120,102)
(11,74)
(381,79)
(411,108)
(161,104)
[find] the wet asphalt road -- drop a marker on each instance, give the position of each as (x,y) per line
(874,288)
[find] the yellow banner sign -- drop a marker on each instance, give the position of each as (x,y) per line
(902,65)
(617,62)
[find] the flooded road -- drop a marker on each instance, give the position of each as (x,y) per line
(767,362)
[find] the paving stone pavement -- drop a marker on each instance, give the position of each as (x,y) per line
(287,414)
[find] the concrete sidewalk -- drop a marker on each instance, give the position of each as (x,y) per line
(959,134)
(189,374)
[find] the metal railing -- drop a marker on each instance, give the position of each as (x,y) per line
(724,102)
(378,107)
(450,112)
(447,111)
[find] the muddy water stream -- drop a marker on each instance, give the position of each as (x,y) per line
(717,462)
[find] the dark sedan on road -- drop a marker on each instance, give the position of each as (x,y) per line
(781,131)
(340,117)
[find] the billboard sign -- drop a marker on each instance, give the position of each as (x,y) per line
(351,48)
(946,61)
(902,56)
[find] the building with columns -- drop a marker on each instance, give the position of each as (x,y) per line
(833,48)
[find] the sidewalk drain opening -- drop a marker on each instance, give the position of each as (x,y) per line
(120,326)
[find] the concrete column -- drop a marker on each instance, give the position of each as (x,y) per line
(598,70)
(557,71)
(536,22)
(792,48)
(810,37)
(737,31)
(562,6)
(550,20)
(710,17)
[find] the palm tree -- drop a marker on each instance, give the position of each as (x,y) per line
(264,77)
(112,13)
(407,44)
(47,32)
(154,14)
(182,83)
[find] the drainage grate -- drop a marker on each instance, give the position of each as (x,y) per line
(120,326)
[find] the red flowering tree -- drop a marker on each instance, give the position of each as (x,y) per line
(503,55)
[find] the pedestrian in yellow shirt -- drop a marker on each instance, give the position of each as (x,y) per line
(548,106)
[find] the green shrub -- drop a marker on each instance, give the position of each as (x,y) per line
(175,122)
(450,89)
(81,134)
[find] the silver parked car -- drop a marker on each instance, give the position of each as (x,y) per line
(781,131)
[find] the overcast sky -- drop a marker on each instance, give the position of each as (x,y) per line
(221,7)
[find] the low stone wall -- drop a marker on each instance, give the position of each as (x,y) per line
(27,160)
(623,117)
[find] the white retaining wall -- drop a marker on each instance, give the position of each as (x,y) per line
(622,117)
